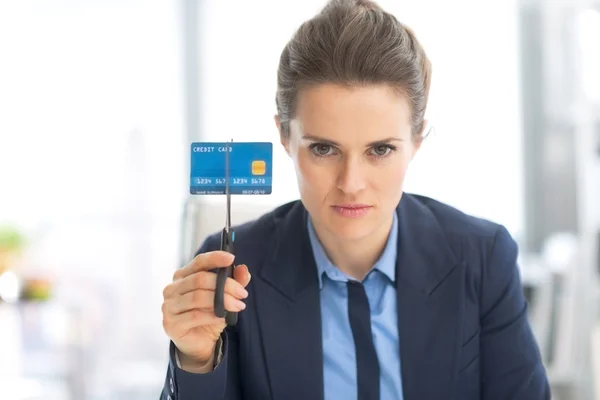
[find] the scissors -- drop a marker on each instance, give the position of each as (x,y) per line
(227,239)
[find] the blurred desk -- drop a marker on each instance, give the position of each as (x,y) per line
(51,351)
(38,352)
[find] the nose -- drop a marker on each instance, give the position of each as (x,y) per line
(351,177)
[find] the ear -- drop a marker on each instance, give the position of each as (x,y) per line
(284,141)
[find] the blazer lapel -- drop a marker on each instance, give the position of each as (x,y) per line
(289,314)
(429,281)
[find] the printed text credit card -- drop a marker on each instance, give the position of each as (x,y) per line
(250,168)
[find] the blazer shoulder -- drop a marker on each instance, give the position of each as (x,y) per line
(475,239)
(455,222)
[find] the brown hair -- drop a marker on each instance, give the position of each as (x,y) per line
(353,42)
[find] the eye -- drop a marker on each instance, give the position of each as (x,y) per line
(382,150)
(321,149)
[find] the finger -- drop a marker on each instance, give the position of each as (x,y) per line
(205,262)
(242,275)
(208,281)
(179,324)
(203,300)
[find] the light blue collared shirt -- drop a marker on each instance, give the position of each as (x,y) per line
(339,359)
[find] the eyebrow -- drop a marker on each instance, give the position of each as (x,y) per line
(332,143)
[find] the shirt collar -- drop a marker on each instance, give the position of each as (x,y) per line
(386,263)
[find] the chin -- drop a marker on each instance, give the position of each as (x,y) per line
(351,229)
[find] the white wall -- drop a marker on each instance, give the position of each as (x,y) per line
(77,79)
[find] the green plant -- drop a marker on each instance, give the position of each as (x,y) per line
(11,239)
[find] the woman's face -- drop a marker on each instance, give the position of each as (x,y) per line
(351,148)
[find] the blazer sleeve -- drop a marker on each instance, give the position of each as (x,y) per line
(220,384)
(511,364)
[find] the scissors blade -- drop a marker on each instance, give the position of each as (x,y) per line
(227,189)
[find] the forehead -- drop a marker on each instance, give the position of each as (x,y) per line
(339,112)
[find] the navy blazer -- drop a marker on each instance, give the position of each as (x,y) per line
(462,315)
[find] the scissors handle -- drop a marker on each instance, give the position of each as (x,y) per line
(227,239)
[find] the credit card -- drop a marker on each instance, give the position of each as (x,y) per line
(250,168)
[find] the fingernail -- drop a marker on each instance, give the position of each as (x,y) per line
(243,293)
(241,305)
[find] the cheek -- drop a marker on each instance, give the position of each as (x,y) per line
(313,177)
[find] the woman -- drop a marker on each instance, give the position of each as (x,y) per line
(359,290)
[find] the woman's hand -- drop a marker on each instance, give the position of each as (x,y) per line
(188,308)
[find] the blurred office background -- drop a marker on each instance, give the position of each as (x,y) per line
(100,99)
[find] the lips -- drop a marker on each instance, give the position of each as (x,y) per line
(351,210)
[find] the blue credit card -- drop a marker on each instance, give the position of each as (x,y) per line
(250,168)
